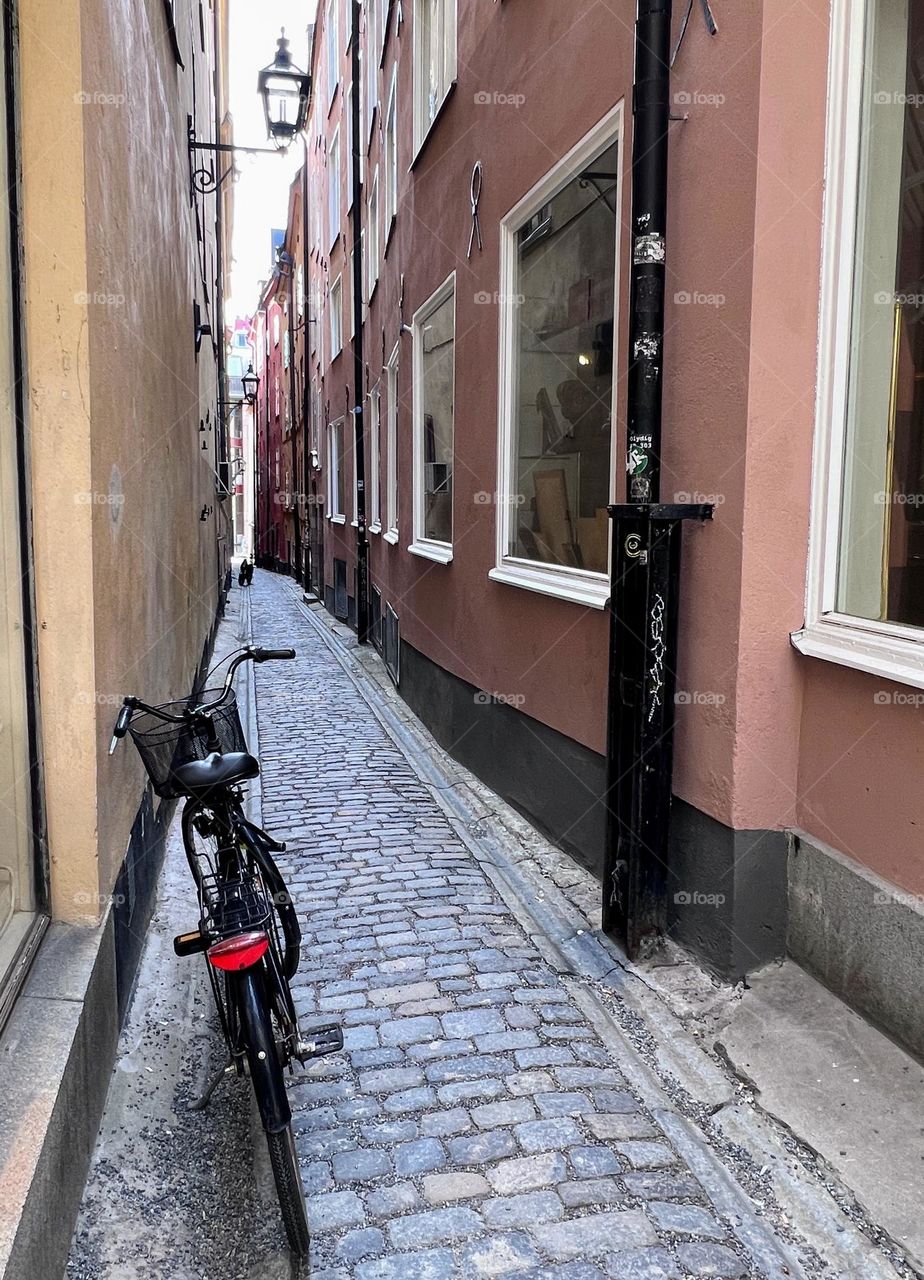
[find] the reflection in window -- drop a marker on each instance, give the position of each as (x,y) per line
(562,372)
(435,359)
(336,498)
(881,560)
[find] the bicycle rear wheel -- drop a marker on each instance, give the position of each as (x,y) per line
(259,1042)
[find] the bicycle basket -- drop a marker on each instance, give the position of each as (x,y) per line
(164,747)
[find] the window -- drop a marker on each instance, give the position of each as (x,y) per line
(371,64)
(352,294)
(335,308)
(333,188)
(315,424)
(23,887)
(333,49)
(558,296)
(372,241)
(336,480)
(434,61)
(865,600)
(348,116)
(391,448)
(375,462)
(391,155)
(434,376)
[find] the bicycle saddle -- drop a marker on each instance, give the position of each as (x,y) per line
(216,771)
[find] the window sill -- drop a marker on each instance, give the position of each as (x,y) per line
(575,585)
(391,535)
(375,527)
(337,519)
(889,651)
(428,133)
(440,552)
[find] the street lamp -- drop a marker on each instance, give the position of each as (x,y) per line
(250,382)
(284,88)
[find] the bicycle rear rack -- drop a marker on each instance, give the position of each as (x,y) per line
(230,907)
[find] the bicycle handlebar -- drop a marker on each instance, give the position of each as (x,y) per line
(249,654)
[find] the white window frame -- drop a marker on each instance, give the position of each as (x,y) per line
(430,548)
(887,649)
(334,515)
(355,521)
(375,460)
(391,156)
(333,49)
(352,290)
(335,312)
(373,240)
(448,17)
(333,187)
(582,586)
(391,447)
(371,66)
(348,121)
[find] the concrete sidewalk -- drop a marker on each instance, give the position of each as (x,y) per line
(500,1109)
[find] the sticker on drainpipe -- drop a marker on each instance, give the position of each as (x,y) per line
(649,249)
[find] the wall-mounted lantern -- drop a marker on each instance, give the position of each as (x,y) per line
(250,382)
(285,89)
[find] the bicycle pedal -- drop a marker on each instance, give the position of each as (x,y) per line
(320,1041)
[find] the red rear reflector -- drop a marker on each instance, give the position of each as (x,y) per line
(240,952)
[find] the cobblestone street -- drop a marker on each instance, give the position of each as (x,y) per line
(476,1125)
(502,1108)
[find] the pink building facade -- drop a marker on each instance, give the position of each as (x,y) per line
(494,426)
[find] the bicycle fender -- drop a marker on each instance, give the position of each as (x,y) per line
(266,1072)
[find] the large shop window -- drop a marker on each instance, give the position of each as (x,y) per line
(558,298)
(434,331)
(866,588)
(434,61)
(22,884)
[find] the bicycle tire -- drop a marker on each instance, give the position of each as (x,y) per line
(289,1189)
(266,1075)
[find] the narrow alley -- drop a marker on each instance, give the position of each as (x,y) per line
(477,1123)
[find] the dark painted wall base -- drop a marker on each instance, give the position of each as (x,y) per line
(135,891)
(551,779)
(727,889)
(727,892)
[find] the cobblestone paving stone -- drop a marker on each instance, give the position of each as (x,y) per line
(474,1125)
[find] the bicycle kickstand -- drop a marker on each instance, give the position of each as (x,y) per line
(200,1103)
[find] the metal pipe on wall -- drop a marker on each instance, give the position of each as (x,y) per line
(646,542)
(359,368)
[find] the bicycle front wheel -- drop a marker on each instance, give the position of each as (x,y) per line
(259,1042)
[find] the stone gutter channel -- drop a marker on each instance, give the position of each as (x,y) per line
(788,1208)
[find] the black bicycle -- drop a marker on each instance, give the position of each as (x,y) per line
(248,929)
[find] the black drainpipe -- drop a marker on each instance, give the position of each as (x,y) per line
(359,371)
(646,541)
